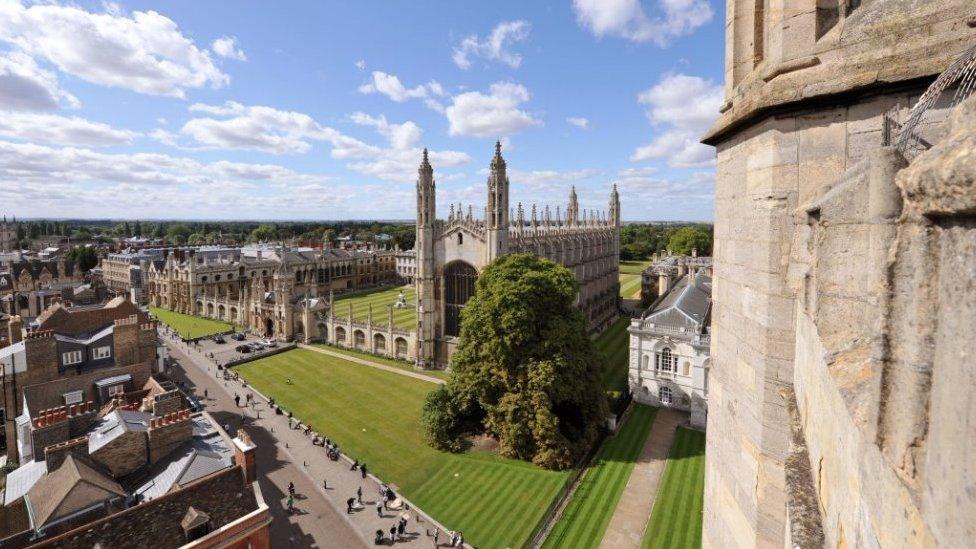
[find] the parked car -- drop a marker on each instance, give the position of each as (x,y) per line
(270,343)
(238,336)
(219,339)
(243,348)
(256,346)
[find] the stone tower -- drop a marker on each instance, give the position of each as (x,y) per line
(572,209)
(426,272)
(497,210)
(614,206)
(802,449)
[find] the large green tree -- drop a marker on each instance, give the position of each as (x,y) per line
(685,239)
(525,371)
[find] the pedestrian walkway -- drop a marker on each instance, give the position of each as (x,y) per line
(626,528)
(341,482)
(357,360)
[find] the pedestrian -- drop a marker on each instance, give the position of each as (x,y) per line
(437,534)
(359,495)
(349,503)
(393,531)
(460,540)
(291,503)
(362,469)
(400,528)
(325,485)
(206,395)
(379,509)
(237,400)
(355,465)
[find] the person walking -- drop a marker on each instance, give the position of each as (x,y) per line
(206,394)
(237,400)
(349,503)
(291,504)
(379,509)
(393,531)
(359,495)
(362,469)
(400,528)
(437,535)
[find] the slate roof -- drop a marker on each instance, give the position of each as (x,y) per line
(204,454)
(20,480)
(686,305)
(116,424)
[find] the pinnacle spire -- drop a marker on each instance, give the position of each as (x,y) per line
(498,161)
(425,163)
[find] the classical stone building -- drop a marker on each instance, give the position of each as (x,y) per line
(664,271)
(669,347)
(840,392)
(30,285)
(451,252)
(262,288)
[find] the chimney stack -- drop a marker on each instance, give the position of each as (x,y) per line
(15,329)
(244,455)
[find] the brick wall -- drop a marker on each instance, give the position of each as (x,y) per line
(54,455)
(168,432)
(123,455)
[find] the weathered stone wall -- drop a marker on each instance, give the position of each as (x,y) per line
(764,174)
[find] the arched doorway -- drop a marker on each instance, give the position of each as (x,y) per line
(323,331)
(459,285)
(268,327)
(359,339)
(400,347)
(379,343)
(340,335)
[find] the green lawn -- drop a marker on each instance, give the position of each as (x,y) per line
(403,365)
(614,346)
(630,278)
(676,521)
(381,299)
(189,326)
(375,417)
(586,516)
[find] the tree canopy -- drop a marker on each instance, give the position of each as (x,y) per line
(525,371)
(685,239)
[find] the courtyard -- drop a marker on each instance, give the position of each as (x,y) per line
(630,278)
(374,416)
(380,299)
(188,326)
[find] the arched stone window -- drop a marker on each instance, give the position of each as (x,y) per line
(340,335)
(401,347)
(666,361)
(686,368)
(379,343)
(459,285)
(645,362)
(665,395)
(460,239)
(359,339)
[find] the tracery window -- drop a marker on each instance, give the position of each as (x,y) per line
(459,285)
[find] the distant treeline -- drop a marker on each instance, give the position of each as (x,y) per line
(640,240)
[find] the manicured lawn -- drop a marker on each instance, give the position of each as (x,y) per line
(381,299)
(588,513)
(614,346)
(387,361)
(375,417)
(676,521)
(630,278)
(189,326)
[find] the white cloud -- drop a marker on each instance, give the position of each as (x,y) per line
(61,130)
(491,115)
(628,19)
(399,161)
(494,46)
(265,129)
(683,107)
(390,86)
(579,122)
(646,185)
(361,65)
(146,52)
(227,46)
(26,87)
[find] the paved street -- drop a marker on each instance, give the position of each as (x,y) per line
(288,455)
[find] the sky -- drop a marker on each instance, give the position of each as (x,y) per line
(319,110)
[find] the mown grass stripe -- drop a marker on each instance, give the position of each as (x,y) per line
(676,519)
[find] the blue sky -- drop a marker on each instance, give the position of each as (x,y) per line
(249,110)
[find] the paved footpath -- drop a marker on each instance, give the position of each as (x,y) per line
(357,360)
(626,528)
(320,515)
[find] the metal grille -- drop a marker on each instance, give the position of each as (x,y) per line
(961,74)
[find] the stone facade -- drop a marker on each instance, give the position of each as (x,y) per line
(8,235)
(824,272)
(451,252)
(263,288)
